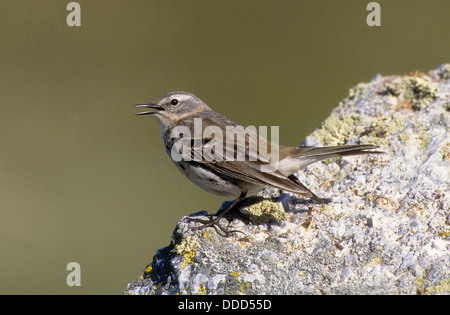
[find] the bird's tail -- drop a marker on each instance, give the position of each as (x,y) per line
(297,158)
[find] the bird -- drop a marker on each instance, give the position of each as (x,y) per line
(236,164)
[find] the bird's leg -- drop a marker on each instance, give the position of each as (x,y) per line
(214,222)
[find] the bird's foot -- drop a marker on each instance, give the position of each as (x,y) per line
(215,223)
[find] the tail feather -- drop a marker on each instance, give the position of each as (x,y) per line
(345,150)
(293,159)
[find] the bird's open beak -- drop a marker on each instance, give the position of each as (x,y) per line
(151,105)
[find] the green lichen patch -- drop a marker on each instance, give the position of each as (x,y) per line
(424,139)
(382,128)
(260,211)
(336,131)
(444,72)
(416,92)
(354,93)
(445,152)
(420,90)
(444,286)
(446,106)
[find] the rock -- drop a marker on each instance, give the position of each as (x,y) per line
(385,229)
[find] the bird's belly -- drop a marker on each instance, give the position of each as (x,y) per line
(210,180)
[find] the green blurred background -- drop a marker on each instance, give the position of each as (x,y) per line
(82,179)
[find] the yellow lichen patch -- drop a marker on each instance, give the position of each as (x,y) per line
(149,269)
(187,249)
(188,258)
(234,274)
(207,235)
(186,245)
(242,284)
(202,289)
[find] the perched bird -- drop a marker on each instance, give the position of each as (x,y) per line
(228,159)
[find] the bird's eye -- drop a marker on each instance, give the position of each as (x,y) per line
(174,102)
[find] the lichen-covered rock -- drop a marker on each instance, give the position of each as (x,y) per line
(385,229)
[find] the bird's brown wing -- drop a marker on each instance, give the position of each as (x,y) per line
(251,168)
(249,172)
(255,167)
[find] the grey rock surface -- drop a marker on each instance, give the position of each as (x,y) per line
(385,229)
